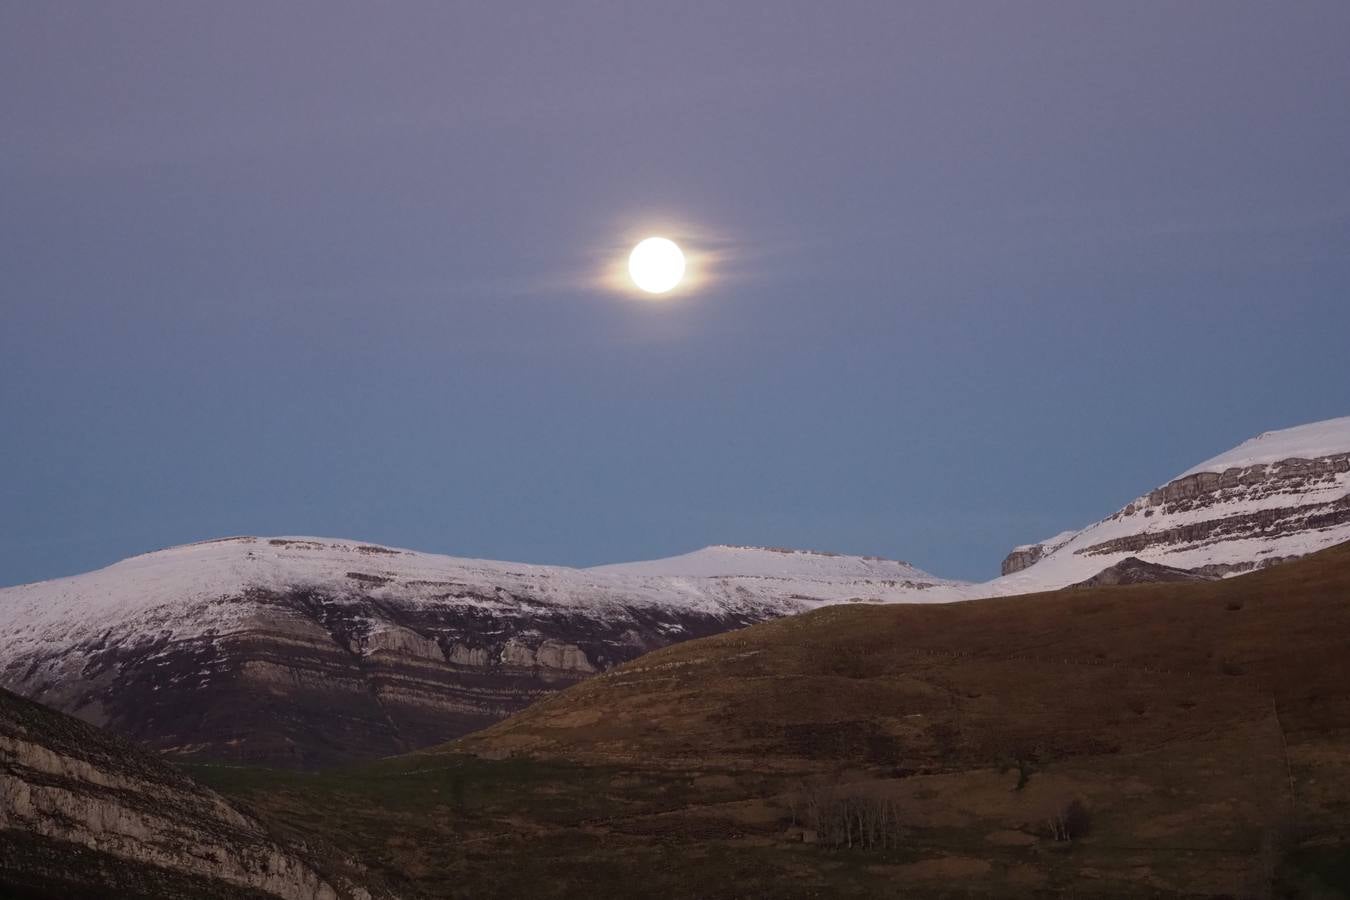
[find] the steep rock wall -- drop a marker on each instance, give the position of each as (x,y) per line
(82,813)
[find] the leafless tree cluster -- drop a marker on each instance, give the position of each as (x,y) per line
(848,818)
(1072,823)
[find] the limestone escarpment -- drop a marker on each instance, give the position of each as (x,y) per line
(85,814)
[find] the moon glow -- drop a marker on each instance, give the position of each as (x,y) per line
(656,265)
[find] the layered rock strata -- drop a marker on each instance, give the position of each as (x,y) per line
(84,814)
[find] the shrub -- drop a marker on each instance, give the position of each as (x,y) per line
(1024,761)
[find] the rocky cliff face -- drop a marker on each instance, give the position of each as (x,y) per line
(83,814)
(1276,497)
(305,653)
(1027,555)
(1020,558)
(1264,502)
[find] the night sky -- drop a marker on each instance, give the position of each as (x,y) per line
(974,272)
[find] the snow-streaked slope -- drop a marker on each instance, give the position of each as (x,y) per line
(1280,495)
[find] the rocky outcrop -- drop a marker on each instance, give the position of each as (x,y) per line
(1027,555)
(85,814)
(1133,570)
(1022,557)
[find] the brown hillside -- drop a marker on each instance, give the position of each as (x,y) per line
(1186,739)
(1109,670)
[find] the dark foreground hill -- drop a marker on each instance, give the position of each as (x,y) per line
(84,814)
(1188,739)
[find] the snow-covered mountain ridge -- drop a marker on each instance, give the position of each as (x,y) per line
(300,650)
(1280,495)
(715,580)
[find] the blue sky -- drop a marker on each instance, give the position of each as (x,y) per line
(984,271)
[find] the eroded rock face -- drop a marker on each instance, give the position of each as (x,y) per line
(82,813)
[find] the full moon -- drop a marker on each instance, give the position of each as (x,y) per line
(656,265)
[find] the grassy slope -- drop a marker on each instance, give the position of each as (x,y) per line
(1206,727)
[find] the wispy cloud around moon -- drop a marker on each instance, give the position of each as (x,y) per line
(709,257)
